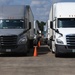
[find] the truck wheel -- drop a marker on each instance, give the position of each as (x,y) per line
(25,51)
(31,44)
(27,48)
(57,54)
(50,44)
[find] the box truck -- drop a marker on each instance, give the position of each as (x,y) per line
(16,28)
(62,28)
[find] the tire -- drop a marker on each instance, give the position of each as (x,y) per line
(27,47)
(31,44)
(50,44)
(51,47)
(57,54)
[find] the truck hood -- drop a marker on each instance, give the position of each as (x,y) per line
(11,31)
(67,31)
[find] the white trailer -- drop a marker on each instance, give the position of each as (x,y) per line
(62,27)
(48,32)
(36,29)
(16,28)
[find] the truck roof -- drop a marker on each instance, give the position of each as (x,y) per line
(64,10)
(12,11)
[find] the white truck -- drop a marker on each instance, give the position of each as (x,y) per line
(36,29)
(16,28)
(62,28)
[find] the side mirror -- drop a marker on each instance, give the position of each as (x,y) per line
(57,30)
(29,25)
(51,25)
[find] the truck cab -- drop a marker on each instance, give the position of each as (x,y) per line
(16,28)
(62,24)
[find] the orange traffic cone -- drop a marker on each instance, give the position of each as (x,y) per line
(39,44)
(35,51)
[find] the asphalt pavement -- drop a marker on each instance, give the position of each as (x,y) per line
(44,64)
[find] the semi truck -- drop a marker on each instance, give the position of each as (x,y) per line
(16,28)
(62,28)
(48,32)
(45,34)
(37,33)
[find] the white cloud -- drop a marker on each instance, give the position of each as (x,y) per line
(54,1)
(41,8)
(35,2)
(5,2)
(15,2)
(38,2)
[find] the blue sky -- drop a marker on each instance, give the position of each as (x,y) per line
(40,8)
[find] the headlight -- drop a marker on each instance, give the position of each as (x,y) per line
(59,41)
(22,40)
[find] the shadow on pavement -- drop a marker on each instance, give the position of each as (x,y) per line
(42,50)
(12,55)
(67,55)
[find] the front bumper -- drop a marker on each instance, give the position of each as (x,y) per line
(64,49)
(19,48)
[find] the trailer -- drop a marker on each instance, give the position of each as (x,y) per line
(48,32)
(62,28)
(16,28)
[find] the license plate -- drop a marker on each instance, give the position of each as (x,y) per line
(73,50)
(8,50)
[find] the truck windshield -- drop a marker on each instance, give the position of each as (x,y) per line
(66,23)
(11,24)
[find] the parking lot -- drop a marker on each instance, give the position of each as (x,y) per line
(44,64)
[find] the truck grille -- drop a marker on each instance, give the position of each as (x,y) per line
(70,41)
(8,42)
